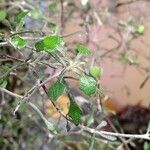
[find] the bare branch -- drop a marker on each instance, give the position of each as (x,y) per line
(133,136)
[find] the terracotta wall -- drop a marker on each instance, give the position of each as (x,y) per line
(122,82)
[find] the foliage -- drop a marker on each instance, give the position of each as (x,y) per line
(96,72)
(26,54)
(75,112)
(18,42)
(83,50)
(88,85)
(20,16)
(49,44)
(56,90)
(3,14)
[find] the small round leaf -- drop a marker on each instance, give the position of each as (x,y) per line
(83,50)
(96,72)
(49,44)
(53,6)
(18,42)
(74,112)
(88,85)
(36,14)
(56,90)
(21,15)
(141,29)
(3,14)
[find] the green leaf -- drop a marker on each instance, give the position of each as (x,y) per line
(106,147)
(20,26)
(123,58)
(36,14)
(88,85)
(39,46)
(75,112)
(20,16)
(56,90)
(18,42)
(3,14)
(140,29)
(52,26)
(49,44)
(53,6)
(146,146)
(83,50)
(96,72)
(3,82)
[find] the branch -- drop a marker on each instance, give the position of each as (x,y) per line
(133,136)
(91,130)
(3,44)
(10,93)
(49,125)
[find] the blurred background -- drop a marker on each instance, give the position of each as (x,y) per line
(112,31)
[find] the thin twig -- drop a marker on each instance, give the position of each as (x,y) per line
(57,108)
(11,57)
(10,93)
(133,136)
(49,125)
(74,33)
(3,44)
(11,69)
(84,128)
(24,32)
(62,15)
(115,130)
